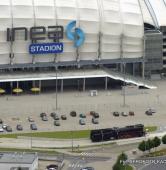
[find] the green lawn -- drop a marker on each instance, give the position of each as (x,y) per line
(50,152)
(128,167)
(150,128)
(58,135)
(157,153)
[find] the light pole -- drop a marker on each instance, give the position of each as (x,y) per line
(124,84)
(72,140)
(146,131)
(56,105)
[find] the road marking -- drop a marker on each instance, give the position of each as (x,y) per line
(87,154)
(75,165)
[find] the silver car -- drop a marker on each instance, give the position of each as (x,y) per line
(57,123)
(95,120)
(33,126)
(82,122)
(56,117)
(44,118)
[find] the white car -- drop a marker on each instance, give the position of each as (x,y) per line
(4,126)
(124,114)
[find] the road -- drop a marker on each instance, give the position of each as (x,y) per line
(157,163)
(76,162)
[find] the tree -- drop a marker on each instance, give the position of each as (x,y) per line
(164,139)
(156,142)
(142,146)
(119,163)
(122,157)
(149,145)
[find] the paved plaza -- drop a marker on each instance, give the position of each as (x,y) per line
(16,109)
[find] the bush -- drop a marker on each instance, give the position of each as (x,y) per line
(142,146)
(164,139)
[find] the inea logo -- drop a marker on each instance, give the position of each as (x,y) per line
(75,34)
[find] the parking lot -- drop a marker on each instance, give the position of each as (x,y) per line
(16,109)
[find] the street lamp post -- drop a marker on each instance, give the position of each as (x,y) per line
(72,140)
(146,131)
(56,105)
(124,84)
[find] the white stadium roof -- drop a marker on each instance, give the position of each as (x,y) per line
(118,24)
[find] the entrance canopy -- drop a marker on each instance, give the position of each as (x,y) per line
(75,74)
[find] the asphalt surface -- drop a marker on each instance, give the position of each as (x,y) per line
(75,162)
(16,109)
(157,163)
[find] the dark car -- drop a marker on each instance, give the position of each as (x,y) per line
(131,113)
(43,114)
(52,167)
(96,115)
(116,114)
(63,117)
(52,114)
(33,126)
(73,113)
(19,127)
(150,111)
(8,129)
(44,118)
(92,113)
(56,117)
(57,123)
(1,121)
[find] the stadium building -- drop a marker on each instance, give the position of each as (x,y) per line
(80,43)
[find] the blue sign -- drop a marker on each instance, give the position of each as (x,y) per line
(46,48)
(78,36)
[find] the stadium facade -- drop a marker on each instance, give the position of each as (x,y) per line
(51,35)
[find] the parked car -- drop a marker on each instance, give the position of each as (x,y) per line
(92,113)
(33,126)
(151,110)
(43,114)
(87,168)
(131,113)
(82,122)
(30,119)
(53,114)
(95,120)
(19,127)
(57,123)
(73,113)
(56,117)
(44,118)
(116,114)
(1,121)
(8,129)
(52,167)
(82,115)
(96,115)
(124,113)
(148,113)
(4,126)
(63,117)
